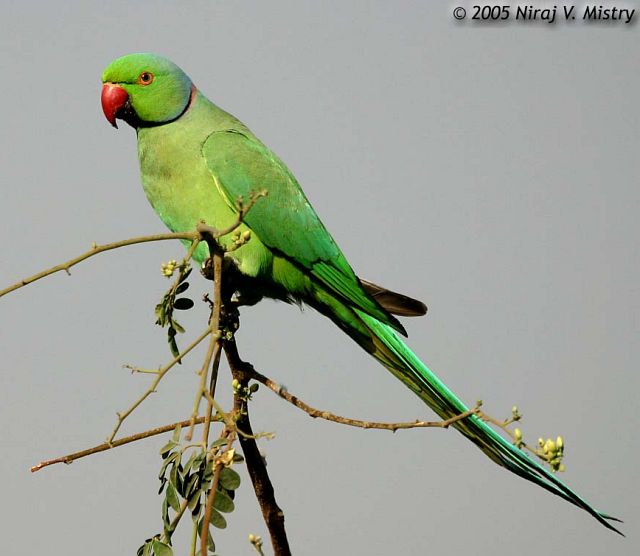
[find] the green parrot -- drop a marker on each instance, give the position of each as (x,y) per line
(196,160)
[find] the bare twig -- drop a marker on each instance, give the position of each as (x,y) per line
(70,458)
(214,323)
(204,533)
(176,519)
(159,376)
(317,413)
(504,426)
(213,353)
(219,464)
(95,249)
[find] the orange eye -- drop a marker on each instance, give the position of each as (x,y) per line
(145,78)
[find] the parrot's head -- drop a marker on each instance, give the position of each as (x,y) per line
(144,90)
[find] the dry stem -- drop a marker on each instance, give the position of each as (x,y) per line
(328,416)
(159,376)
(95,249)
(70,458)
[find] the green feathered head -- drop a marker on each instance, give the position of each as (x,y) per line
(144,89)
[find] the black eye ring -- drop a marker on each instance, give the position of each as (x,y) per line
(146,78)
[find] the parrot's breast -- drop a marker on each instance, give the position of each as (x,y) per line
(181,188)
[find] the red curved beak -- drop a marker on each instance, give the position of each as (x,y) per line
(113,99)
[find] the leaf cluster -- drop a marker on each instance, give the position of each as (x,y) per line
(186,477)
(170,303)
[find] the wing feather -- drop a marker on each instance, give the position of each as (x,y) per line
(284,220)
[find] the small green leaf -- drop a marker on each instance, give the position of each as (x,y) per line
(207,477)
(177,327)
(193,501)
(192,485)
(223,502)
(145,549)
(217,520)
(229,479)
(168,447)
(161,549)
(183,287)
(199,459)
(172,498)
(167,461)
(187,466)
(165,514)
(176,433)
(173,346)
(183,304)
(218,442)
(173,475)
(177,478)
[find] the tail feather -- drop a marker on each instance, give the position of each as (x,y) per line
(393,302)
(394,354)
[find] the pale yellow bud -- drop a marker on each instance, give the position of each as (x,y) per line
(517,433)
(560,443)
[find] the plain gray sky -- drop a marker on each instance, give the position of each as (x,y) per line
(491,171)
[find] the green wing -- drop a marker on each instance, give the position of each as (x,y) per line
(284,220)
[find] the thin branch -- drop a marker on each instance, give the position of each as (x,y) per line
(216,311)
(213,352)
(70,458)
(215,322)
(214,348)
(95,249)
(161,372)
(317,413)
(194,539)
(504,426)
(176,519)
(204,533)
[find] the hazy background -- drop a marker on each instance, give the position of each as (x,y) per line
(491,171)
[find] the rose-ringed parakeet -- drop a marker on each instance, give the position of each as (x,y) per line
(196,160)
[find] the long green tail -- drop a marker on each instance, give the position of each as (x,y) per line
(396,356)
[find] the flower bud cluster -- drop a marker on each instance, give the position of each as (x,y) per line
(169,268)
(240,238)
(553,452)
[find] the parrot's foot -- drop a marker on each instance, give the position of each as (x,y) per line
(246,298)
(207,269)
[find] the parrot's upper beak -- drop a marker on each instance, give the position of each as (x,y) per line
(113,100)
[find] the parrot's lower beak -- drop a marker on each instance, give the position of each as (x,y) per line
(113,99)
